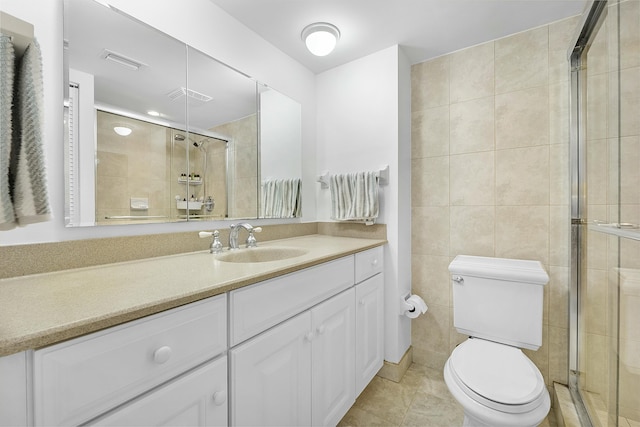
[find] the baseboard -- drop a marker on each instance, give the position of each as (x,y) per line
(395,371)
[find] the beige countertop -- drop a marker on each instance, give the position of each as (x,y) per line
(43,309)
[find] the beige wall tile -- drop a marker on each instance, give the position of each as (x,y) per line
(472,126)
(430,132)
(629,34)
(629,170)
(522,232)
(430,84)
(597,363)
(430,227)
(558,355)
(598,54)
(597,243)
(472,179)
(597,102)
(559,191)
(522,60)
(629,101)
(559,113)
(472,73)
(522,118)
(472,230)
(522,176)
(430,181)
(430,333)
(430,278)
(595,302)
(111,194)
(560,35)
(559,235)
(558,297)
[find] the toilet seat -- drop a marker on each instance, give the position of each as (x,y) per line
(498,376)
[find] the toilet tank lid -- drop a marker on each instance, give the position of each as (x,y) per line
(514,270)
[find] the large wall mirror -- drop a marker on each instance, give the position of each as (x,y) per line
(156,131)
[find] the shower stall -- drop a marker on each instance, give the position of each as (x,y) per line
(604,343)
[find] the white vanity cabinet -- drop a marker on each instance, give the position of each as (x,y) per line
(292,350)
(78,380)
(307,369)
(299,373)
(369,316)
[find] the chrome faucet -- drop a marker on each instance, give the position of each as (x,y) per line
(251,240)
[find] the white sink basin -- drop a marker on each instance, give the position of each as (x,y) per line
(261,254)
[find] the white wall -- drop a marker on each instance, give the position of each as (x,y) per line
(279,136)
(360,128)
(202,25)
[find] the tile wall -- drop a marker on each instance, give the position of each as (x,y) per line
(490,177)
(137,165)
(243,200)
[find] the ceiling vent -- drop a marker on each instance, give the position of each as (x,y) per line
(122,60)
(182,91)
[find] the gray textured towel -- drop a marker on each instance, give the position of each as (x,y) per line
(7,65)
(29,185)
(354,197)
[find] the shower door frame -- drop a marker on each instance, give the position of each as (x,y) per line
(590,21)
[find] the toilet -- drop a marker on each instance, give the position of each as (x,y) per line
(497,302)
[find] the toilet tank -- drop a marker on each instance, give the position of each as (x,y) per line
(499,299)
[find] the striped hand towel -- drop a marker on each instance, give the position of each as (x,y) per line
(7,64)
(280,198)
(354,197)
(30,196)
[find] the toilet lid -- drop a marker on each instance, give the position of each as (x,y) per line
(497,372)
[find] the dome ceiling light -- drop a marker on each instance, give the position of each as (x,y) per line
(321,38)
(122,130)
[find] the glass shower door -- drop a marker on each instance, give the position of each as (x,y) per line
(605,344)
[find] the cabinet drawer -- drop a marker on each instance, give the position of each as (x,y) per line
(369,263)
(256,308)
(79,379)
(198,398)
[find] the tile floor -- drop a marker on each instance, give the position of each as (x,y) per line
(420,399)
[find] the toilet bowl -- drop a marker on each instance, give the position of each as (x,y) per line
(497,303)
(496,384)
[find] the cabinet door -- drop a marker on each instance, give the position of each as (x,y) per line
(271,376)
(333,349)
(369,330)
(195,399)
(13,390)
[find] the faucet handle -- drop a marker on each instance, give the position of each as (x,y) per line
(216,245)
(251,240)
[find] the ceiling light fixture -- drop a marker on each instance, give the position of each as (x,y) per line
(122,130)
(321,38)
(153,113)
(118,58)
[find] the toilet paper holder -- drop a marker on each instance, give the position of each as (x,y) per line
(413,306)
